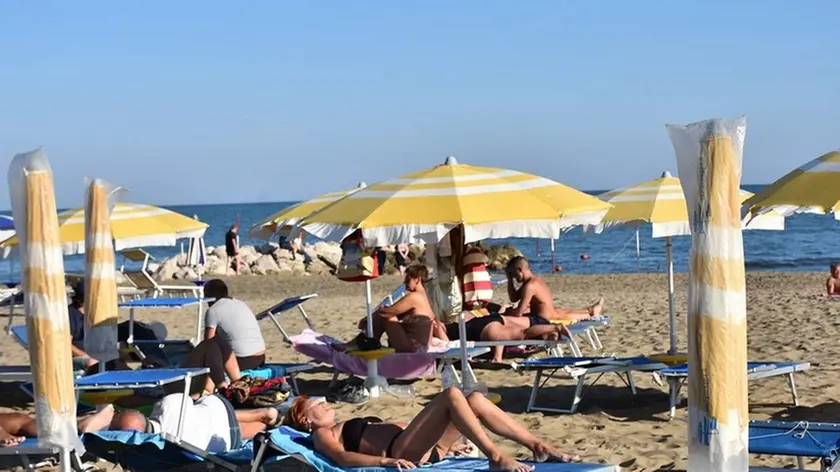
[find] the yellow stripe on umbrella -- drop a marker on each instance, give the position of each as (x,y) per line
(45,304)
(286,219)
(101,312)
(812,188)
(132,225)
(488,202)
(709,159)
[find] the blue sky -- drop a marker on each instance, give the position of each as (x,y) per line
(213,101)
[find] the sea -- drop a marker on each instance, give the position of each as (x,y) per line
(808,243)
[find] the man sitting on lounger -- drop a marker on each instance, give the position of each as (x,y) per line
(234,327)
(408,322)
(533,297)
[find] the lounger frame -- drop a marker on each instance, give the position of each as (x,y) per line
(579,371)
(676,381)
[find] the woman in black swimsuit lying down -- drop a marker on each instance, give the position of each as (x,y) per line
(433,434)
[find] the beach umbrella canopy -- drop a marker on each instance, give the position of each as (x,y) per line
(661,203)
(286,219)
(101,310)
(426,205)
(45,305)
(709,160)
(132,225)
(812,188)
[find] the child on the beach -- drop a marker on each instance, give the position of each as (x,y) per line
(832,285)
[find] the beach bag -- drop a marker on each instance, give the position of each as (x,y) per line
(255,392)
(357,263)
(478,288)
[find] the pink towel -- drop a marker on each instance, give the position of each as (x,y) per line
(396,366)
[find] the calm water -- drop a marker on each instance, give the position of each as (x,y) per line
(807,244)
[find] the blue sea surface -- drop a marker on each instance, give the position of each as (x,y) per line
(807,244)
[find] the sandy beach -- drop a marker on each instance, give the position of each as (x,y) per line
(788,321)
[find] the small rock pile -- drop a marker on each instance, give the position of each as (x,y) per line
(321,258)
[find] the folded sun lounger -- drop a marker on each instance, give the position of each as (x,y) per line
(678,375)
(285,445)
(288,304)
(798,439)
(579,368)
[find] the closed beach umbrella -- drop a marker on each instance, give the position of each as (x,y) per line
(284,220)
(661,203)
(132,224)
(709,161)
(45,305)
(488,202)
(197,253)
(101,311)
(812,188)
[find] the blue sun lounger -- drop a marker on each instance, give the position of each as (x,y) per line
(798,439)
(579,368)
(285,445)
(288,304)
(174,302)
(678,375)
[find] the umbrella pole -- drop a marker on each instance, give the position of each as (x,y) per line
(374,383)
(672,310)
(553,256)
(638,246)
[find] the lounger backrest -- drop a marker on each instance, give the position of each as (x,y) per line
(141,280)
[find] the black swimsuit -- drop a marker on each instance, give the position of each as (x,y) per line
(351,436)
(474,327)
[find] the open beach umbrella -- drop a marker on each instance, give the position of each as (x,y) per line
(101,309)
(285,220)
(709,161)
(662,204)
(486,202)
(812,188)
(45,305)
(489,203)
(132,225)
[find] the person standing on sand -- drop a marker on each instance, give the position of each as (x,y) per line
(533,298)
(232,248)
(832,285)
(401,257)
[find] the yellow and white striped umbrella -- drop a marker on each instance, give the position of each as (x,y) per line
(812,188)
(101,311)
(132,225)
(709,159)
(488,202)
(45,306)
(661,203)
(284,220)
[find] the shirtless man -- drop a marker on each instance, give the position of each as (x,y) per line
(408,322)
(533,298)
(832,285)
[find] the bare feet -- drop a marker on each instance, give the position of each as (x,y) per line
(7,439)
(545,453)
(597,308)
(509,464)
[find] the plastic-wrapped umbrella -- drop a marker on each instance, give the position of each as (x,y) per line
(33,203)
(709,161)
(197,253)
(101,309)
